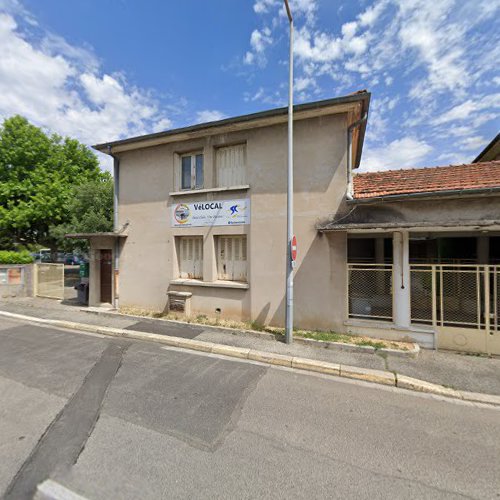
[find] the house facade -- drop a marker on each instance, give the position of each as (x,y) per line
(202,217)
(200,229)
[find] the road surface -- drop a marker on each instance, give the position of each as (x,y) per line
(109,418)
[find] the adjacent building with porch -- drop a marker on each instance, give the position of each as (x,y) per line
(200,228)
(423,255)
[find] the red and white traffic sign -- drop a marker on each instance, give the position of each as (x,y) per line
(294,248)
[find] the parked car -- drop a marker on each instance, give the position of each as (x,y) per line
(71,259)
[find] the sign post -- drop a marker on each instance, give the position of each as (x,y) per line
(289,204)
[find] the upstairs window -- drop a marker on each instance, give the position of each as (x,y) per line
(231,166)
(192,171)
(191,257)
(232,258)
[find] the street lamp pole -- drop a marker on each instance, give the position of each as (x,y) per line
(289,223)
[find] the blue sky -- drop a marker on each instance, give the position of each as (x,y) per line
(102,70)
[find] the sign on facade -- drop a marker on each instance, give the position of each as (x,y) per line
(11,276)
(15,276)
(211,213)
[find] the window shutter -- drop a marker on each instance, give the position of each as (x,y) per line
(231,166)
(191,257)
(232,258)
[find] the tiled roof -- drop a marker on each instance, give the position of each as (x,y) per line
(427,180)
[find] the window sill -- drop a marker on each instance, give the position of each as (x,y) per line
(214,284)
(186,192)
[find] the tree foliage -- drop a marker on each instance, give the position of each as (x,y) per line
(23,257)
(39,178)
(90,210)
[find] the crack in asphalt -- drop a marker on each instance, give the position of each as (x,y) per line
(65,438)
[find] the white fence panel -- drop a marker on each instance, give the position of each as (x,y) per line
(49,281)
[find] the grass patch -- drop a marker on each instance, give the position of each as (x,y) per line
(372,343)
(330,336)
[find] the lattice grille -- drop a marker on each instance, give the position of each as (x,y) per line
(421,295)
(370,291)
(460,301)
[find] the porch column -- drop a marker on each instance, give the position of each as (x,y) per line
(401,307)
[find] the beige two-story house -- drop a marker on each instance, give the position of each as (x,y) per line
(201,216)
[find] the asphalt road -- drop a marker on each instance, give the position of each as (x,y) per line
(119,419)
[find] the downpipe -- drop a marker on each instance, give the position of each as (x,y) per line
(350,129)
(116,193)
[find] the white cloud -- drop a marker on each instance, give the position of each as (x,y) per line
(209,115)
(349,29)
(318,47)
(264,96)
(473,143)
(301,83)
(60,87)
(453,158)
(432,63)
(259,41)
(423,29)
(406,152)
(468,109)
(372,13)
(249,58)
(263,6)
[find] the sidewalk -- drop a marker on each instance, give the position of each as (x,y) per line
(456,371)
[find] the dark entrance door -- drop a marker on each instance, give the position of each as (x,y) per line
(106,276)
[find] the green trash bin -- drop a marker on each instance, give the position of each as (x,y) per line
(84,270)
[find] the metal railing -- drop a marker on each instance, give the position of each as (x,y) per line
(454,295)
(370,291)
(462,295)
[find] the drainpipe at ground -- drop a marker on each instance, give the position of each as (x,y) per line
(116,194)
(401,300)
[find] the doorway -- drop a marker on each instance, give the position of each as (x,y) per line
(106,274)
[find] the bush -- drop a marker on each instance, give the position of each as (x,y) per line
(11,257)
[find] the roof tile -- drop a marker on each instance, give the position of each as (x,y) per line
(427,180)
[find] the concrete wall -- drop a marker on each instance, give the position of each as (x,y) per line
(440,211)
(25,289)
(148,257)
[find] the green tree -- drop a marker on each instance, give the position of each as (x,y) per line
(90,210)
(38,176)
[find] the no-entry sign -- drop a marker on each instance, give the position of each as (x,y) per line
(293,252)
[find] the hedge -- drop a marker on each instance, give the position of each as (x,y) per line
(11,257)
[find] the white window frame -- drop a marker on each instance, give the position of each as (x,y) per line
(243,175)
(232,258)
(190,257)
(193,182)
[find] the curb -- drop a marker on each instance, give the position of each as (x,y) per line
(311,365)
(322,344)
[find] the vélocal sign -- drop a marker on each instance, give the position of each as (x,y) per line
(211,213)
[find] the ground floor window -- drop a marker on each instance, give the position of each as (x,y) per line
(191,257)
(232,258)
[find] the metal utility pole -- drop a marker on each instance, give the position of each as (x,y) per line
(290,261)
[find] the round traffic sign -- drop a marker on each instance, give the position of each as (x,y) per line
(294,248)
